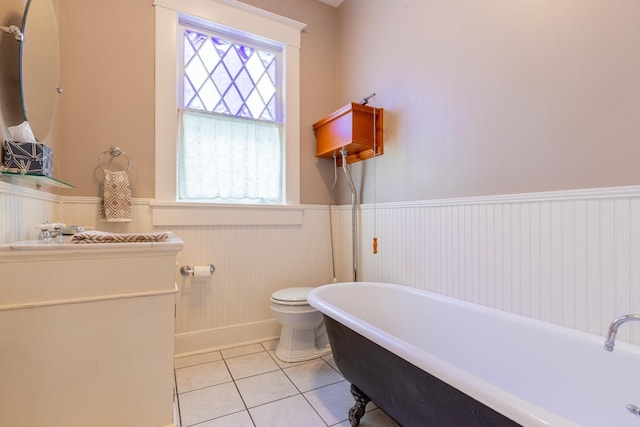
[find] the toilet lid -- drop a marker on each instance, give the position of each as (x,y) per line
(289,295)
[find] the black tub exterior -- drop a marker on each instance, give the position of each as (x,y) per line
(405,392)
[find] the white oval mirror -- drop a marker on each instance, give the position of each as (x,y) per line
(39,66)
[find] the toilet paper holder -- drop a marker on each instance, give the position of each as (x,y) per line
(187,270)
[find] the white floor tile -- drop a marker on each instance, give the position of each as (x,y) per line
(176,411)
(251,364)
(312,375)
(239,419)
(292,411)
(209,403)
(271,389)
(332,362)
(375,418)
(332,402)
(284,364)
(182,362)
(241,351)
(200,376)
(270,345)
(265,388)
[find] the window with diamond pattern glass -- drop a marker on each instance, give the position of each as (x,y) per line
(229,78)
(231,122)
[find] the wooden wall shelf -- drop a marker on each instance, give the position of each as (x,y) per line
(351,128)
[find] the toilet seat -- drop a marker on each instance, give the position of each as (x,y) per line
(291,296)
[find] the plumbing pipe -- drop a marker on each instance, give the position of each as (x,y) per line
(335,180)
(354,215)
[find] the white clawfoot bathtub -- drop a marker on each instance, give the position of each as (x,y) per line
(533,373)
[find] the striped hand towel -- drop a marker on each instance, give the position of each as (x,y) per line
(115,205)
(106,237)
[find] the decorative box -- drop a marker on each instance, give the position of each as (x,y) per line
(27,157)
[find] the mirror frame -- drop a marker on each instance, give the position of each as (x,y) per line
(39,66)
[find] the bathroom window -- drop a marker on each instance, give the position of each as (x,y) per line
(230,141)
(253,84)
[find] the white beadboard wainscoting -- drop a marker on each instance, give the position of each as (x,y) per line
(252,261)
(256,251)
(570,258)
(22,209)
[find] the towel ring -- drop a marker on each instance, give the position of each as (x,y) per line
(115,152)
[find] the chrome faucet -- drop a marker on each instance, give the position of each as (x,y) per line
(610,342)
(66,230)
(52,231)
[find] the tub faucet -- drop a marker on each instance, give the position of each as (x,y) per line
(610,342)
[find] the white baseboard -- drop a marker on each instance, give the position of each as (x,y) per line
(225,337)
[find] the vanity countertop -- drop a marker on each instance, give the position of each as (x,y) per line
(36,273)
(172,244)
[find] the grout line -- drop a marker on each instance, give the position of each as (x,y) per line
(301,393)
(246,408)
(199,363)
(221,416)
(177,397)
(202,388)
(279,368)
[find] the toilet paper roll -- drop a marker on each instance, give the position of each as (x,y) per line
(202,271)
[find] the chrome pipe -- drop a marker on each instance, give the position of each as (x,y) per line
(335,181)
(354,215)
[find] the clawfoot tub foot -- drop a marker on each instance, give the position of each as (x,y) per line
(357,411)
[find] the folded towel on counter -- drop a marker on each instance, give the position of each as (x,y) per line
(115,205)
(105,237)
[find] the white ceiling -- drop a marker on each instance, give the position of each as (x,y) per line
(334,3)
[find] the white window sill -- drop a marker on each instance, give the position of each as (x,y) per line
(176,214)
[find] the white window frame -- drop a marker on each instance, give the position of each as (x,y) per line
(234,15)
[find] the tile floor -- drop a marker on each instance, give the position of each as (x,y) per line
(249,386)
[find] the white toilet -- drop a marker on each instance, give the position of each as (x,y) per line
(303,335)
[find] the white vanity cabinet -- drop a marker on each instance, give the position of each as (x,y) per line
(87,334)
